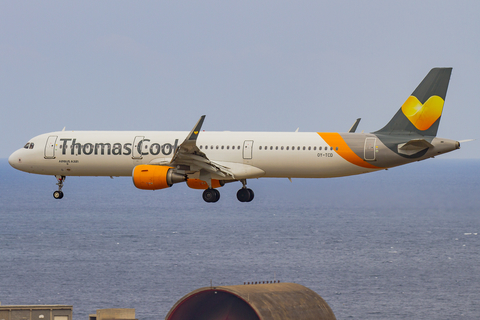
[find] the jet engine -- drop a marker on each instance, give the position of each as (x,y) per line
(153,177)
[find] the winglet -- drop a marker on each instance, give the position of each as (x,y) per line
(354,126)
(190,142)
(194,133)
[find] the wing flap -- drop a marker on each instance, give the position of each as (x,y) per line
(241,170)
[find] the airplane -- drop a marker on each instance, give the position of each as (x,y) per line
(207,160)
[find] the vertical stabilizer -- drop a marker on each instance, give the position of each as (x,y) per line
(421,113)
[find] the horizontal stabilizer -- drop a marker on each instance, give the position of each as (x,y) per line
(413,146)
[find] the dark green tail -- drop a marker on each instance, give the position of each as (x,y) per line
(421,113)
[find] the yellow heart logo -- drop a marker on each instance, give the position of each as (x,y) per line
(423,116)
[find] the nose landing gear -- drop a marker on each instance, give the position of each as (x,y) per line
(59,194)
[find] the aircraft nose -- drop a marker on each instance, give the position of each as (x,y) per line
(15,160)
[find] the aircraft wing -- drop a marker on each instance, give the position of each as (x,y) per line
(189,154)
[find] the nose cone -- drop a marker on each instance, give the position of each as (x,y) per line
(15,159)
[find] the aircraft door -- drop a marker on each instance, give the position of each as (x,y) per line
(370,149)
(50,147)
(137,147)
(247,149)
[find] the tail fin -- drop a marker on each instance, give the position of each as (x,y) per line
(420,114)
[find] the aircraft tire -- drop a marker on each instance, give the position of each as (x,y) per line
(245,195)
(252,195)
(217,195)
(58,194)
(211,195)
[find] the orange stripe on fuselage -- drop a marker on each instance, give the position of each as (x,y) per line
(334,139)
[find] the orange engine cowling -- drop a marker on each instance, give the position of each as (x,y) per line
(152,177)
(200,184)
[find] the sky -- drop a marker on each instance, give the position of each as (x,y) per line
(246,65)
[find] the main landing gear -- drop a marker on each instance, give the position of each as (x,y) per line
(243,195)
(59,194)
(211,195)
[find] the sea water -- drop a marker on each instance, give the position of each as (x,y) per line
(397,244)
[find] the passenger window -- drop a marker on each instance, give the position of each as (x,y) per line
(314,148)
(309,148)
(336,149)
(303,147)
(222,147)
(260,148)
(276,148)
(287,147)
(271,147)
(281,147)
(228,147)
(331,148)
(201,147)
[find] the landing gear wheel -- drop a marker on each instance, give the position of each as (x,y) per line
(58,194)
(252,195)
(245,195)
(211,195)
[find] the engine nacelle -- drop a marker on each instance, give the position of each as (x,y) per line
(200,184)
(153,177)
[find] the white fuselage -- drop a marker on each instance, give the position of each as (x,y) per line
(112,153)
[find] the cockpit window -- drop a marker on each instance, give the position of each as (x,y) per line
(31,145)
(27,145)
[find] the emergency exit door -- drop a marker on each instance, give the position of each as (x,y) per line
(247,149)
(50,147)
(370,149)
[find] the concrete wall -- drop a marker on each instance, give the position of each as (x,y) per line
(114,314)
(36,312)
